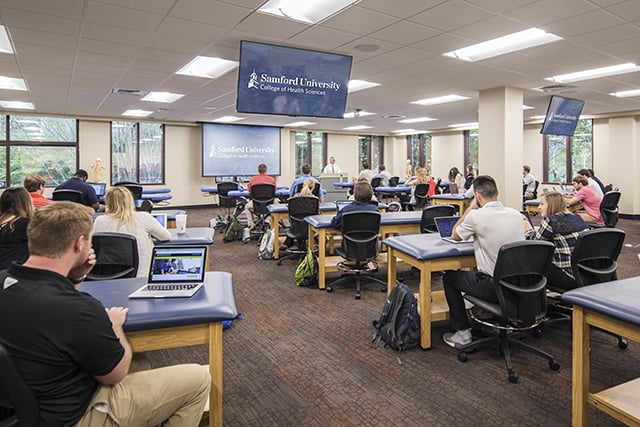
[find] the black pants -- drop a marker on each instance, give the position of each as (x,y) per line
(471,282)
(558,280)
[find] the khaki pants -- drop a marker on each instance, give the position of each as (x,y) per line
(248,208)
(170,396)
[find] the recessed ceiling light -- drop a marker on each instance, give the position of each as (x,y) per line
(166,97)
(540,117)
(5,41)
(440,100)
(308,11)
(228,119)
(465,125)
(417,120)
(595,73)
(356,85)
(505,44)
(298,124)
(12,83)
(527,107)
(208,67)
(626,93)
(359,127)
(355,114)
(16,105)
(137,113)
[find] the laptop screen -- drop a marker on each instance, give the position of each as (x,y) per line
(178,264)
(445,225)
(340,204)
(161,218)
(453,188)
(100,188)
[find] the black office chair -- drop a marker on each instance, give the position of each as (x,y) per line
(125,183)
(316,189)
(376,182)
(227,203)
(300,207)
(359,248)
(393,181)
(427,224)
(262,195)
(535,190)
(116,256)
(135,189)
(421,196)
(609,208)
(438,187)
(68,195)
(15,395)
(520,287)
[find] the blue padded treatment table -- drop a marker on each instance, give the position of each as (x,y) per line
(452,199)
(613,307)
(156,190)
(155,324)
(194,236)
(171,213)
(214,189)
(157,197)
(427,253)
(343,184)
(393,190)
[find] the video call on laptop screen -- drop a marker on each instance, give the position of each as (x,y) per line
(178,264)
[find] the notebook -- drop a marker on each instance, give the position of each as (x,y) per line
(161,218)
(175,272)
(445,225)
(99,187)
(340,204)
(453,188)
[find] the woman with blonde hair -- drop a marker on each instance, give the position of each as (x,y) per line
(121,217)
(16,210)
(561,228)
(307,187)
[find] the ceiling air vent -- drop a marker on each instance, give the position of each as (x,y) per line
(394,116)
(123,91)
(556,88)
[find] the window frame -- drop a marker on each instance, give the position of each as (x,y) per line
(309,141)
(568,140)
(162,152)
(467,153)
(422,148)
(368,139)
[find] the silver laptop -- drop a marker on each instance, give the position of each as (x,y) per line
(175,272)
(99,187)
(445,225)
(161,218)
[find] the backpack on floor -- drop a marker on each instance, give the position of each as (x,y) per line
(265,251)
(306,274)
(399,324)
(233,232)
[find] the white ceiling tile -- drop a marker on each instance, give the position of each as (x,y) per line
(45,51)
(546,11)
(20,35)
(160,7)
(608,35)
(490,28)
(443,43)
(400,9)
(98,58)
(108,48)
(232,39)
(210,12)
(249,4)
(628,10)
(177,59)
(359,21)
(270,26)
(500,6)
(450,15)
(620,49)
(40,22)
(121,17)
(552,49)
(175,27)
(404,33)
(148,65)
(322,38)
(108,33)
(585,23)
(71,9)
(176,44)
(112,70)
(224,52)
(606,3)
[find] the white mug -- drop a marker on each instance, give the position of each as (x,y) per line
(181,223)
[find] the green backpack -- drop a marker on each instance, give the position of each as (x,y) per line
(307,271)
(234,231)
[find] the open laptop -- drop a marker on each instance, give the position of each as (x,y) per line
(445,225)
(99,187)
(161,218)
(175,272)
(340,204)
(453,188)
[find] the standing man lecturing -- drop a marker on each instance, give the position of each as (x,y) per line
(332,167)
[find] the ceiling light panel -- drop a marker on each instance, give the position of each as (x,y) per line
(440,100)
(166,97)
(355,114)
(359,127)
(356,85)
(465,125)
(595,73)
(5,41)
(207,67)
(17,105)
(11,83)
(417,120)
(626,93)
(228,119)
(137,113)
(299,124)
(307,11)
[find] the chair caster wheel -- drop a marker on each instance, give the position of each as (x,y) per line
(536,333)
(383,289)
(279,262)
(357,296)
(462,356)
(513,378)
(554,366)
(329,289)
(622,343)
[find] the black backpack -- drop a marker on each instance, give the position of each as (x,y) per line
(399,324)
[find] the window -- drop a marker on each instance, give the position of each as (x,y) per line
(137,152)
(564,156)
(471,139)
(371,150)
(311,147)
(419,150)
(45,146)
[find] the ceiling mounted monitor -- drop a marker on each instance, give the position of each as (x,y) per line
(562,116)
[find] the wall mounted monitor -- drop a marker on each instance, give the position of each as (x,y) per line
(292,82)
(562,116)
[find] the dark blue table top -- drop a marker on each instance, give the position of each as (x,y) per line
(156,197)
(343,184)
(193,236)
(450,197)
(213,303)
(386,218)
(214,189)
(392,190)
(156,190)
(428,246)
(619,299)
(324,207)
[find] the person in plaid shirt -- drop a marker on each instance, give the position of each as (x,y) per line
(562,229)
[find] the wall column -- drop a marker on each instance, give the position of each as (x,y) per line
(623,167)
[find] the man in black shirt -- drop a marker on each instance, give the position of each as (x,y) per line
(78,182)
(72,352)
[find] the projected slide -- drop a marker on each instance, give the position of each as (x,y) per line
(231,150)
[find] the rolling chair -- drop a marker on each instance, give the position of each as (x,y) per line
(116,256)
(135,189)
(359,248)
(376,182)
(427,224)
(421,195)
(68,195)
(316,189)
(262,195)
(393,181)
(299,208)
(520,287)
(227,203)
(125,183)
(16,395)
(609,208)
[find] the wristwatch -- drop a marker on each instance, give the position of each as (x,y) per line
(77,281)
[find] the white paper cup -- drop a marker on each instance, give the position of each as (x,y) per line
(181,223)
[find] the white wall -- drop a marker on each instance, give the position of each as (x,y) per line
(532,150)
(345,149)
(447,151)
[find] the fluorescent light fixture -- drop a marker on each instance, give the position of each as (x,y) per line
(353,114)
(527,107)
(408,131)
(356,85)
(540,117)
(465,125)
(166,97)
(137,113)
(228,119)
(359,127)
(626,93)
(208,67)
(308,11)
(12,83)
(595,73)
(440,100)
(502,45)
(417,120)
(5,41)
(298,124)
(17,105)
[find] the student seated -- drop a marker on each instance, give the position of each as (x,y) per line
(34,184)
(71,352)
(528,183)
(261,178)
(121,217)
(353,196)
(306,173)
(78,182)
(561,228)
(362,193)
(15,212)
(455,177)
(589,199)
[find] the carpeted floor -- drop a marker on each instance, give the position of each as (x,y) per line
(301,357)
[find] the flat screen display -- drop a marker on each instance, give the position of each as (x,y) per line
(562,116)
(292,82)
(231,150)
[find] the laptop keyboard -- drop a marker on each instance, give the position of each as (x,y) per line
(172,287)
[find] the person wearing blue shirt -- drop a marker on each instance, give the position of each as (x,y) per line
(362,193)
(306,173)
(78,182)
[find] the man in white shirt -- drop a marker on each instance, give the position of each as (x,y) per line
(530,181)
(332,167)
(366,172)
(491,225)
(384,174)
(593,184)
